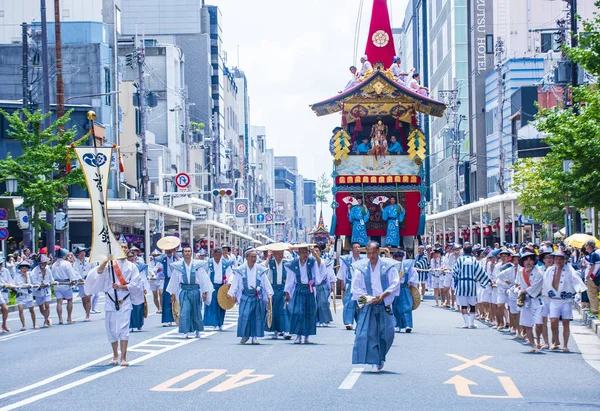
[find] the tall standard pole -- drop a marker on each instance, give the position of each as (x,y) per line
(25,62)
(186,131)
(142,93)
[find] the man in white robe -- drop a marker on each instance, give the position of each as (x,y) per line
(128,284)
(366,66)
(529,285)
(63,272)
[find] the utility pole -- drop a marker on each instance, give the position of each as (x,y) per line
(186,131)
(25,67)
(141,50)
(453,118)
(499,69)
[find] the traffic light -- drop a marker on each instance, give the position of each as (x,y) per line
(223,192)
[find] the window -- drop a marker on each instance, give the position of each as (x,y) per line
(489,44)
(107,86)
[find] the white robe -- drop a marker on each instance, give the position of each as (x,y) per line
(343,271)
(290,284)
(202,279)
(237,285)
(359,287)
(37,279)
(366,66)
(570,282)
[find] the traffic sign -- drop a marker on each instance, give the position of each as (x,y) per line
(182,180)
(241,207)
(260,218)
(284,239)
(269,217)
(3,223)
(525,219)
(3,214)
(3,234)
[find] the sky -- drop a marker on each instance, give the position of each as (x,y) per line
(296,53)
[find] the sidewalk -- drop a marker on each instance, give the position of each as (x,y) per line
(587,341)
(592,323)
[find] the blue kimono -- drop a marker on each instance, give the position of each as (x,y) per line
(395,148)
(252,300)
(281,316)
(358,216)
(137,312)
(190,298)
(167,308)
(303,304)
(363,148)
(350,306)
(394,217)
(214,315)
(402,306)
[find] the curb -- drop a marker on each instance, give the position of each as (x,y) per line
(591,323)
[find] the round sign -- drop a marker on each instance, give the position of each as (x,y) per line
(3,214)
(182,180)
(241,208)
(3,233)
(269,217)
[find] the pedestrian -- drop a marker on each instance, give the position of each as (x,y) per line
(24,292)
(6,283)
(467,273)
(561,284)
(502,318)
(437,275)
(220,273)
(170,244)
(42,277)
(126,279)
(375,285)
(300,293)
(82,267)
(325,283)
(63,272)
(547,261)
(529,285)
(251,289)
(190,286)
(422,267)
(155,280)
(592,277)
(345,275)
(403,302)
(138,294)
(277,276)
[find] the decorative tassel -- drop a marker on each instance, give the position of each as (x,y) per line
(358,126)
(121,168)
(413,119)
(68,167)
(398,123)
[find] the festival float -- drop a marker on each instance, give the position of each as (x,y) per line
(378,192)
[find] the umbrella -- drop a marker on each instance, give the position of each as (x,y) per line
(45,249)
(579,240)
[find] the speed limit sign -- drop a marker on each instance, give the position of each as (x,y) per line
(182,180)
(241,207)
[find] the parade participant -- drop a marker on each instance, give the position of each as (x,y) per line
(201,255)
(155,280)
(366,66)
(239,260)
(277,276)
(397,71)
(251,289)
(359,216)
(592,278)
(394,147)
(300,293)
(378,280)
(449,285)
(504,264)
(484,295)
(11,265)
(169,245)
(364,147)
(422,267)
(443,273)
(416,87)
(490,269)
(506,281)
(436,272)
(24,293)
(345,275)
(6,283)
(325,283)
(126,288)
(219,271)
(467,273)
(82,267)
(228,256)
(547,261)
(190,286)
(529,285)
(63,272)
(402,305)
(354,78)
(139,294)
(394,215)
(42,276)
(561,284)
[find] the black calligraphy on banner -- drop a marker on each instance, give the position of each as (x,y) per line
(104,235)
(98,180)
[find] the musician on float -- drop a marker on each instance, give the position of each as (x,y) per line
(394,215)
(278,277)
(345,275)
(394,146)
(219,271)
(190,286)
(359,216)
(252,290)
(364,147)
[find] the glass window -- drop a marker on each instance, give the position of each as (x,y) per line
(546,42)
(489,44)
(107,86)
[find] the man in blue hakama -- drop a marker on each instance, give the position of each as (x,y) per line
(402,305)
(138,297)
(345,276)
(190,286)
(375,277)
(163,270)
(219,270)
(325,283)
(300,293)
(394,215)
(252,290)
(277,277)
(358,216)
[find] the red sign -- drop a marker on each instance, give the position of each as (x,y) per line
(3,234)
(182,180)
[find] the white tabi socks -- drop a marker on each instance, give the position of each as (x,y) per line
(472,321)
(466,320)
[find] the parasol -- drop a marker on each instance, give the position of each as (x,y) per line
(579,240)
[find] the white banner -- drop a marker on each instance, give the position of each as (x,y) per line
(95,163)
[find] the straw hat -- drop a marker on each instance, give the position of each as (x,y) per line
(274,247)
(225,301)
(416,295)
(168,243)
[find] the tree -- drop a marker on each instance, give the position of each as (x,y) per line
(322,190)
(572,135)
(40,169)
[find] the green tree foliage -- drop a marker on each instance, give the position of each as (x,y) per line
(40,169)
(323,188)
(572,135)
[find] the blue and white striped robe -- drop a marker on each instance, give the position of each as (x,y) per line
(422,264)
(467,273)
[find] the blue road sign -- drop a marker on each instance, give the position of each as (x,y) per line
(260,218)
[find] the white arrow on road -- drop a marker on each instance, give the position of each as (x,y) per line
(461,384)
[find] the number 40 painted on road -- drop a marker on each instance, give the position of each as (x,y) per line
(240,379)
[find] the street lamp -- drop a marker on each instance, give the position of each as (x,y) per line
(12,184)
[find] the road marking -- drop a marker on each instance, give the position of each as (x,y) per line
(461,384)
(49,380)
(167,386)
(477,362)
(244,377)
(18,334)
(351,379)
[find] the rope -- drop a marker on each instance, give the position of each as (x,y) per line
(28,286)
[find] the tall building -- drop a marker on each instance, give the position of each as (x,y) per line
(310,204)
(287,179)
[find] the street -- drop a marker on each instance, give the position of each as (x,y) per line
(437,365)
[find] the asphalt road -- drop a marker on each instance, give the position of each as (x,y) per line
(437,366)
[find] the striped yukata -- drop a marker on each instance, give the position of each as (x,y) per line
(422,264)
(467,273)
